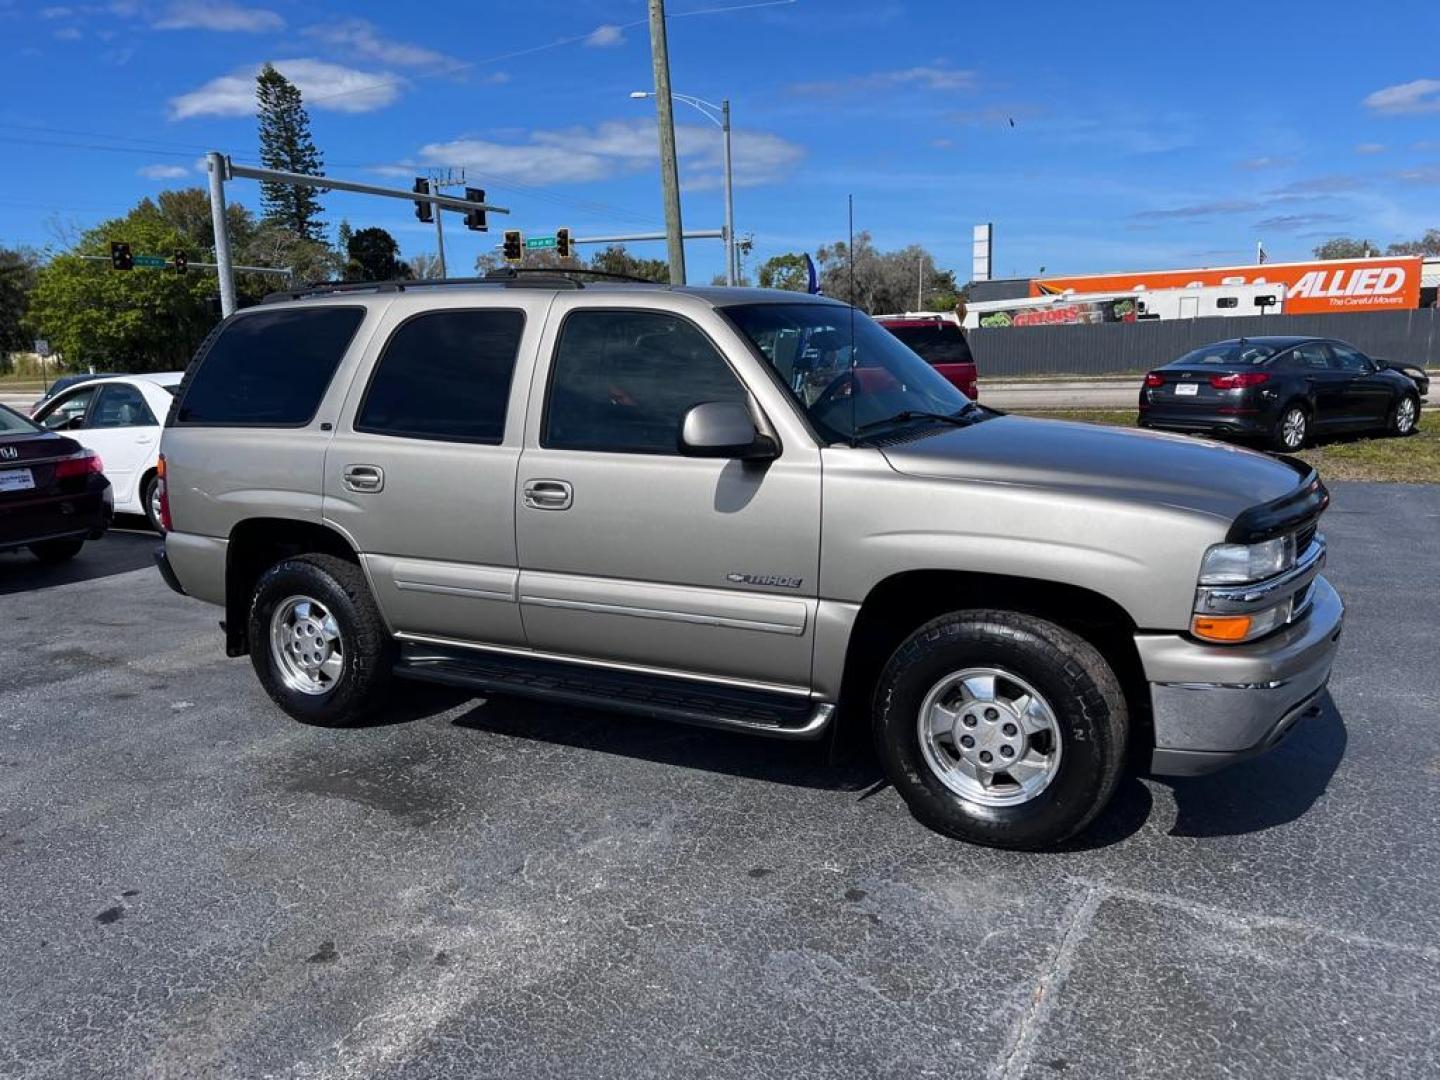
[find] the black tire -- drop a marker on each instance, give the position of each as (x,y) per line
(1283,440)
(367,650)
(54,552)
(1067,671)
(1395,425)
(147,500)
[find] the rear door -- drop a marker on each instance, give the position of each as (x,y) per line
(634,554)
(1324,382)
(123,430)
(421,471)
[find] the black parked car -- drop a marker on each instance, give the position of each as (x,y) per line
(53,494)
(1283,390)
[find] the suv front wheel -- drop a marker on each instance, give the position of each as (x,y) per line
(317,641)
(1001,728)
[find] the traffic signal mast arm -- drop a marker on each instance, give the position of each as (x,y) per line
(279,176)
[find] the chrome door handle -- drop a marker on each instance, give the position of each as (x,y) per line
(364,478)
(548,495)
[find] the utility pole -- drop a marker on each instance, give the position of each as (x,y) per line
(732,261)
(665,114)
(216,164)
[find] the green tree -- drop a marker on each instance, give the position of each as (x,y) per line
(17,281)
(374,256)
(1345,247)
(123,320)
(285,143)
(785,272)
(886,282)
(1429,244)
(616,260)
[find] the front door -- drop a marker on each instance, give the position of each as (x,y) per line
(420,473)
(1367,397)
(122,429)
(632,553)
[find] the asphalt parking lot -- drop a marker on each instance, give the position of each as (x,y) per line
(195,886)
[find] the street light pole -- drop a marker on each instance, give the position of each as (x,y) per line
(722,121)
(665,114)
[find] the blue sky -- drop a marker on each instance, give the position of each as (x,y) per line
(1142,136)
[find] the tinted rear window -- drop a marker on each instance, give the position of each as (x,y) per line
(1227,353)
(270,368)
(445,375)
(943,343)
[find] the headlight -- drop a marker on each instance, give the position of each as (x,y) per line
(1239,564)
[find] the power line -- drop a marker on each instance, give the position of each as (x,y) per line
(573,39)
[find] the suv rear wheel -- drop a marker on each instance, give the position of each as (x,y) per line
(1000,728)
(318,643)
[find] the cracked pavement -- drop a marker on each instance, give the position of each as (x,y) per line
(195,886)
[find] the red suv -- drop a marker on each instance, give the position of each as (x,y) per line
(941,343)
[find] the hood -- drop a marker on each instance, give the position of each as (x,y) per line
(1120,463)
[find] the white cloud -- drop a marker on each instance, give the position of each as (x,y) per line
(580,155)
(1256,164)
(1370,148)
(322,85)
(1420,96)
(70,33)
(926,77)
(605,37)
(359,38)
(223,17)
(56,12)
(162,172)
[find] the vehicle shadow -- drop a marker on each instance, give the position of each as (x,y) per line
(796,764)
(1269,790)
(119,552)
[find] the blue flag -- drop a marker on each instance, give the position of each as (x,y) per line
(812,285)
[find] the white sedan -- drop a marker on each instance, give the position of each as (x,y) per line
(120,419)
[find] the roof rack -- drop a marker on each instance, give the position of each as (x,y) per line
(508,277)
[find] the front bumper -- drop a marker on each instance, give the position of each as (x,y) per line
(1215,705)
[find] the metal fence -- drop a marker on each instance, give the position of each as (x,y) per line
(1115,348)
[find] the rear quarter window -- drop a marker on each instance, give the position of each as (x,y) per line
(268,368)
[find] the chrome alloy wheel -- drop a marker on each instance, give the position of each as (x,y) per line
(154,507)
(990,737)
(305,645)
(1292,429)
(1405,415)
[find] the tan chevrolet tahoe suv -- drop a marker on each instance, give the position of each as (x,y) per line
(746,509)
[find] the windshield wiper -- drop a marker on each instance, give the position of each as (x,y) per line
(959,419)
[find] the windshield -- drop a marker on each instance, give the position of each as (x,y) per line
(1227,353)
(845,386)
(12,423)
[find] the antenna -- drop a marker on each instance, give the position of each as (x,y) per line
(854,379)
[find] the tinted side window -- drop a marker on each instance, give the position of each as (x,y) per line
(270,368)
(445,375)
(622,381)
(1348,360)
(1309,358)
(120,405)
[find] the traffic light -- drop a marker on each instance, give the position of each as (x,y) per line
(423,207)
(475,219)
(182,262)
(564,246)
(514,246)
(120,257)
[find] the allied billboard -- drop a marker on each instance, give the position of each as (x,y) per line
(1311,288)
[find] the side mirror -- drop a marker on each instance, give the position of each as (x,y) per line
(724,429)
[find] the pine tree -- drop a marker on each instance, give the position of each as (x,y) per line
(285,143)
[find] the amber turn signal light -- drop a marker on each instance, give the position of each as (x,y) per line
(1229,628)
